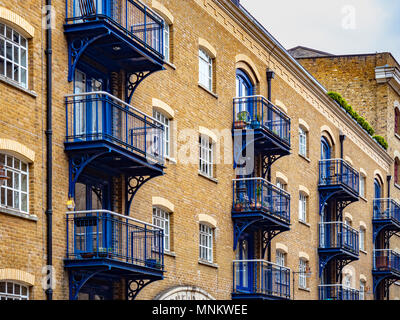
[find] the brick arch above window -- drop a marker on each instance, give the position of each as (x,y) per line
(282,248)
(162,11)
(17,149)
(163,107)
(208,48)
(164,204)
(15,21)
(328,133)
(244,62)
(207,220)
(304,125)
(304,256)
(207,132)
(18,276)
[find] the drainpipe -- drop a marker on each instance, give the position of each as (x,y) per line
(49,136)
(342,137)
(388,178)
(270,76)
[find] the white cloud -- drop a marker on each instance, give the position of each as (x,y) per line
(328,25)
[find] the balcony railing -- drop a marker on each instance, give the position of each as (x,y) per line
(254,112)
(386,260)
(386,209)
(260,277)
(104,234)
(95,116)
(337,292)
(338,172)
(338,235)
(131,17)
(257,194)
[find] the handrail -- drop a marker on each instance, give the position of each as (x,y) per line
(339,222)
(266,100)
(115,214)
(116,99)
(264,261)
(264,180)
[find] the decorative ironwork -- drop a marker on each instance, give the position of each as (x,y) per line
(132,84)
(78,279)
(268,235)
(133,287)
(267,163)
(133,184)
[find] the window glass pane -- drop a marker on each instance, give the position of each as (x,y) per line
(9,50)
(8,33)
(2,69)
(24,202)
(23,57)
(2,44)
(2,29)
(9,69)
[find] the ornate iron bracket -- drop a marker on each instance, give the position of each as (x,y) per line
(324,197)
(267,163)
(133,287)
(268,235)
(387,282)
(131,86)
(239,227)
(133,184)
(76,166)
(324,259)
(78,279)
(75,49)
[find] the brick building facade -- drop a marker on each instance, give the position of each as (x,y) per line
(149,197)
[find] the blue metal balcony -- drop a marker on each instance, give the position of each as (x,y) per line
(265,126)
(338,177)
(386,217)
(110,245)
(386,262)
(339,239)
(116,137)
(260,279)
(337,292)
(116,34)
(256,197)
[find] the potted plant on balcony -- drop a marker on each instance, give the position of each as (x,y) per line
(239,206)
(255,123)
(242,120)
(104,252)
(153,263)
(87,255)
(259,200)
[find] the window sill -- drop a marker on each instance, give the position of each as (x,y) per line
(208,91)
(17,86)
(170,254)
(305,224)
(172,160)
(171,65)
(305,289)
(305,158)
(208,178)
(208,264)
(18,214)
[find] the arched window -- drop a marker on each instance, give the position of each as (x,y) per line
(14,193)
(325,149)
(396,170)
(397,121)
(13,55)
(244,86)
(13,291)
(378,189)
(205,70)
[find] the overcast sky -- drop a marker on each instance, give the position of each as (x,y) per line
(337,27)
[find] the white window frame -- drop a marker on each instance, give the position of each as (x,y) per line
(17,291)
(12,58)
(303,207)
(15,173)
(302,142)
(205,69)
(206,156)
(302,274)
(161,218)
(166,121)
(362,185)
(280,258)
(166,42)
(362,238)
(362,290)
(205,243)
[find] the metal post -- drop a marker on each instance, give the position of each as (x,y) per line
(388,178)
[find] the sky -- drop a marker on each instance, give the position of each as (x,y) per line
(337,27)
